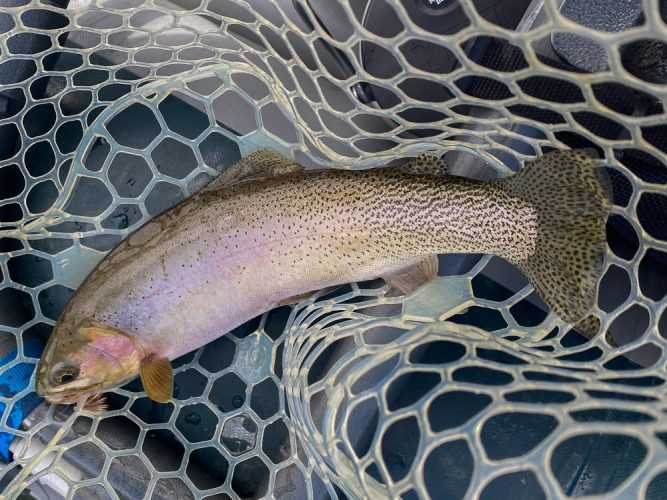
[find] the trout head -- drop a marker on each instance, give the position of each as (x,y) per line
(85,360)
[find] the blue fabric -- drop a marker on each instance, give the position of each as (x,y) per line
(12,382)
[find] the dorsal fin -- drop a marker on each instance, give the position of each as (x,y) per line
(425,164)
(259,165)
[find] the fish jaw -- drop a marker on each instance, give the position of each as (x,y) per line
(66,400)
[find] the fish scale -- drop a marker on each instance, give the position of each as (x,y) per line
(214,268)
(252,241)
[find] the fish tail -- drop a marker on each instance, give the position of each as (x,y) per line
(571,193)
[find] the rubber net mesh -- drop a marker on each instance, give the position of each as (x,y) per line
(464,388)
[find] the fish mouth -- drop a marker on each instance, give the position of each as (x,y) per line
(67,395)
(66,399)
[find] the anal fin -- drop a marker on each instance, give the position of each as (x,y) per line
(261,164)
(291,301)
(295,299)
(414,277)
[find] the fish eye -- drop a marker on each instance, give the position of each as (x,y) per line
(64,374)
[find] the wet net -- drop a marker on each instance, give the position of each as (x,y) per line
(111,111)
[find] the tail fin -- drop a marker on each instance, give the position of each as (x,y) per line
(572,194)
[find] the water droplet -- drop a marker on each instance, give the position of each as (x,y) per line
(237,401)
(193,418)
(256,356)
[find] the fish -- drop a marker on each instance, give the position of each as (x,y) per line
(266,232)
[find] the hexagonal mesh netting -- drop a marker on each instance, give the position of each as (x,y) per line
(113,110)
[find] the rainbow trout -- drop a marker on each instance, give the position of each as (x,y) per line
(266,232)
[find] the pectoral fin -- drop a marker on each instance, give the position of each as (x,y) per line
(157,378)
(411,278)
(259,165)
